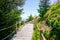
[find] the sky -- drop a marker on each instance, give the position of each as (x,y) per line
(31,6)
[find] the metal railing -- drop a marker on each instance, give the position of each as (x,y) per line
(9,35)
(8,28)
(41,33)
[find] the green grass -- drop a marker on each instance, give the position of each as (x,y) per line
(20,27)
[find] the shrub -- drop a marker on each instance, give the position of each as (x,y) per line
(53,19)
(46,34)
(36,33)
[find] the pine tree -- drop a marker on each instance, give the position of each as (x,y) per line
(9,15)
(43,7)
(30,18)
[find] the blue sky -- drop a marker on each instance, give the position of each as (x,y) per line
(31,6)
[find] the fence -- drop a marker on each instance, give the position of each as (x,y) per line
(41,34)
(11,33)
(9,27)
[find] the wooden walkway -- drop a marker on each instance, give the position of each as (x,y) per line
(25,33)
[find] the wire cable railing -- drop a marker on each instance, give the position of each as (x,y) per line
(8,28)
(9,35)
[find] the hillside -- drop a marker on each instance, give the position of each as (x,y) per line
(53,15)
(50,25)
(53,19)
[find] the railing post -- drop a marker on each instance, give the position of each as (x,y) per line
(16,27)
(41,35)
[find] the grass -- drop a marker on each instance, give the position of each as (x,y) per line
(20,27)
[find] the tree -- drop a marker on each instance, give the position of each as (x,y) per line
(9,15)
(22,22)
(58,0)
(8,5)
(30,18)
(43,7)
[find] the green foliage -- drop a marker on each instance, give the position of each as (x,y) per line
(46,34)
(52,16)
(7,21)
(53,19)
(30,18)
(43,7)
(9,15)
(22,22)
(8,5)
(36,33)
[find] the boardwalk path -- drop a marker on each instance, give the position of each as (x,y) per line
(25,33)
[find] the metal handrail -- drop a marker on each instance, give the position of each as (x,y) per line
(11,33)
(7,28)
(8,35)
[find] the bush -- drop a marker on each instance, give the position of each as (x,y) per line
(36,33)
(53,19)
(53,15)
(46,34)
(30,18)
